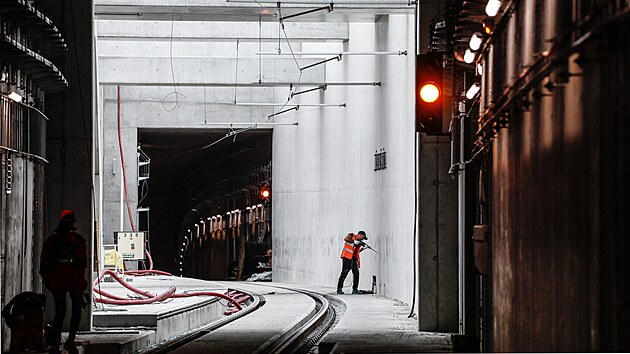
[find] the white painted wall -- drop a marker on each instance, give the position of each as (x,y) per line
(324,182)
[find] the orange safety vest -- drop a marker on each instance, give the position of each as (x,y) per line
(349,251)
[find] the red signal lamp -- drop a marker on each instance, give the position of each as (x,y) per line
(429,92)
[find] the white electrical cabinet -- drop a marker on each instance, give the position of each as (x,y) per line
(130,244)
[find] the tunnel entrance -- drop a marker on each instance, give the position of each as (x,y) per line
(204,210)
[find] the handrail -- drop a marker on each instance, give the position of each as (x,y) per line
(22,129)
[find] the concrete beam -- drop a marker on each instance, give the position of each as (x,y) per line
(204,70)
(218,31)
(176,49)
(220,10)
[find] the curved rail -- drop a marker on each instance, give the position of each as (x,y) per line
(305,334)
(300,338)
(258,300)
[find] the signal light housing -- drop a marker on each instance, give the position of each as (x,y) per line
(428,94)
(265,193)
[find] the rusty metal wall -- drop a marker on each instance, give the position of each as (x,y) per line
(560,214)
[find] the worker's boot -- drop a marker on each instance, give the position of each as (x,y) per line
(339,291)
(355,291)
(71,347)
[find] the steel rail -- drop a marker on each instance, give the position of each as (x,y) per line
(298,339)
(302,336)
(166,347)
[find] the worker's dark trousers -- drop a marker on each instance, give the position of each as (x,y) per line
(346,265)
(76,296)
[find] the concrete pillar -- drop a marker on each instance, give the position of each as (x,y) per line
(69,174)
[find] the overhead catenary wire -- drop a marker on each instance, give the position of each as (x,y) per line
(174,92)
(236,71)
(234,133)
(400,53)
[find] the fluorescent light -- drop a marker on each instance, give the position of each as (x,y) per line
(16,97)
(475,41)
(473,90)
(479,69)
(469,56)
(492,8)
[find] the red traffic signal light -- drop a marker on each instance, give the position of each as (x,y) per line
(429,93)
(265,193)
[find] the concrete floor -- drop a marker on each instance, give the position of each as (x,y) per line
(369,324)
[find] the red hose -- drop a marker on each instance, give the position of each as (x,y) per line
(124,283)
(141,272)
(122,165)
(161,297)
(103,293)
(117,300)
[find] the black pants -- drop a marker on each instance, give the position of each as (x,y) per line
(60,311)
(346,265)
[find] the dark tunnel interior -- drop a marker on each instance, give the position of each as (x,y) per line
(192,176)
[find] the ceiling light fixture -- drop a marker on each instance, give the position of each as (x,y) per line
(492,8)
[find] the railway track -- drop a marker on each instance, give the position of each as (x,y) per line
(276,319)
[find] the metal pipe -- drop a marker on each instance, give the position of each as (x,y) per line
(285,111)
(400,52)
(323,88)
(253,84)
(461,214)
(247,124)
(338,57)
(290,105)
(329,8)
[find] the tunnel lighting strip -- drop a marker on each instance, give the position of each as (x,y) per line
(400,52)
(324,2)
(297,104)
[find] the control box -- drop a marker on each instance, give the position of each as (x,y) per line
(130,244)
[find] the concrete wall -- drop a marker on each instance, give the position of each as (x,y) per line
(559,216)
(148,62)
(324,182)
(21,230)
(143,107)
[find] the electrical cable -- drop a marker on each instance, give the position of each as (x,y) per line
(233,132)
(174,92)
(122,167)
(144,191)
(236,71)
(415,182)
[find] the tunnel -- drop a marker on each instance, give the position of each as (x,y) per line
(190,184)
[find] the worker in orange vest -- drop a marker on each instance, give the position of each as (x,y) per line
(350,260)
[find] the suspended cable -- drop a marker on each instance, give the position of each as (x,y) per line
(174,92)
(236,71)
(260,48)
(291,90)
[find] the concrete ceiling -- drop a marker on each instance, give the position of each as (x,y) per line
(222,10)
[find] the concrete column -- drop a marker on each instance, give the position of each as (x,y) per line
(69,174)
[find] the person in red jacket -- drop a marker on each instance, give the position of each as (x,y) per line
(62,267)
(350,260)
